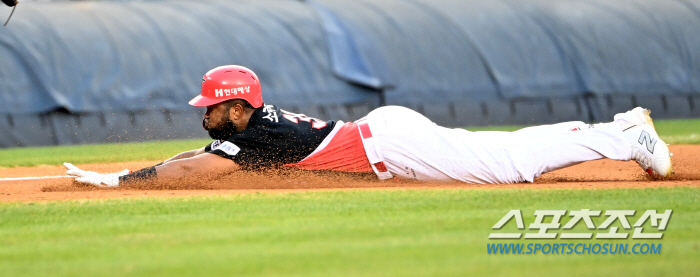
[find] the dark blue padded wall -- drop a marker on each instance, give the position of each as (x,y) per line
(125,56)
(547,60)
(87,72)
(101,71)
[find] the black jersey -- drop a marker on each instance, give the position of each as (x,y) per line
(273,137)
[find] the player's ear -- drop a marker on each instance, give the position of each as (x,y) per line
(236,111)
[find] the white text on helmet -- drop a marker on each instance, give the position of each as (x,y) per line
(235,91)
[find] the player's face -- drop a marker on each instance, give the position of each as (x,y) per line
(213,116)
(217,121)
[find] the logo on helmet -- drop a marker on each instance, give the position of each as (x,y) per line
(235,91)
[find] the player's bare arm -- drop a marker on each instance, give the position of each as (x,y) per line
(205,165)
(198,167)
(186,154)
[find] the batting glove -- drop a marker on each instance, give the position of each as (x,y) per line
(94,178)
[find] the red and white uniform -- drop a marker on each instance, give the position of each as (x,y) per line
(341,150)
(411,146)
(398,142)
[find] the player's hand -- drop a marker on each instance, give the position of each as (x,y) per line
(94,178)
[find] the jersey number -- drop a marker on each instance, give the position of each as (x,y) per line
(295,117)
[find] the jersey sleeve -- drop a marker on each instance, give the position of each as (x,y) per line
(226,149)
(212,145)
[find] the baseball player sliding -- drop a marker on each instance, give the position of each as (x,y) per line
(391,141)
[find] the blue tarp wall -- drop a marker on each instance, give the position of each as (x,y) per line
(86,72)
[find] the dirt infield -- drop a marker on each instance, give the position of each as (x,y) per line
(594,174)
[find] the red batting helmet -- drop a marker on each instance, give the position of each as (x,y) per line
(229,82)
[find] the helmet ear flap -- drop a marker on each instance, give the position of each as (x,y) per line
(229,82)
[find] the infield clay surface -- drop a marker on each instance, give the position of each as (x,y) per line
(600,174)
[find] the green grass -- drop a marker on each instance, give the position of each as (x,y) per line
(97,153)
(682,131)
(333,233)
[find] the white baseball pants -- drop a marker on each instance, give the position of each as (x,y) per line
(411,146)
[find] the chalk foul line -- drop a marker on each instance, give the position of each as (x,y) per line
(34,178)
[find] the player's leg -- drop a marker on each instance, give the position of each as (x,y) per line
(539,130)
(631,136)
(414,147)
(534,154)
